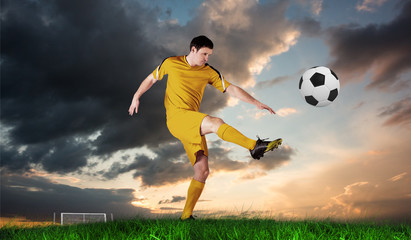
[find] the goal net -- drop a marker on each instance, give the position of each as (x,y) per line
(76,218)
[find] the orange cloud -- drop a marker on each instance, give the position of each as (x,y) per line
(252,175)
(341,204)
(283,112)
(259,114)
(352,189)
(370,5)
(398,177)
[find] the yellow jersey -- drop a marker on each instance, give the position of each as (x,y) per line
(186,84)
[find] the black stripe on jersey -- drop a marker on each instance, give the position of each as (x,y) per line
(219,75)
(163,62)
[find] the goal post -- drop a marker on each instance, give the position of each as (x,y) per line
(76,218)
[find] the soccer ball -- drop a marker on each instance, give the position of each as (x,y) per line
(319,86)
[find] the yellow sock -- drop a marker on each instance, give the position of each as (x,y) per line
(230,134)
(193,194)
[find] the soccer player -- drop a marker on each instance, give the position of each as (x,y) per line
(187,77)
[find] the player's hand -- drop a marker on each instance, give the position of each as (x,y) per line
(134,107)
(262,106)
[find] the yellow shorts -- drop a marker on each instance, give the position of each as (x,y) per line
(185,125)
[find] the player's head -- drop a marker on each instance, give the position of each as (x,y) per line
(201,48)
(200,42)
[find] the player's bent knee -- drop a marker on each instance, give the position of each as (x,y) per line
(210,125)
(216,123)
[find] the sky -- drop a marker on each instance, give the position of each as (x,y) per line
(69,70)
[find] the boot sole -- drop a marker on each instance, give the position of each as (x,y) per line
(274,144)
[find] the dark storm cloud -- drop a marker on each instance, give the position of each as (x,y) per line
(170,165)
(382,48)
(309,27)
(275,160)
(37,198)
(69,69)
(220,161)
(61,155)
(173,200)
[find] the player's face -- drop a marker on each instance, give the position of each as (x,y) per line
(201,56)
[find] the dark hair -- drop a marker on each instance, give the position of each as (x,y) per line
(201,41)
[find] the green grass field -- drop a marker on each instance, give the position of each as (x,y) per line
(213,229)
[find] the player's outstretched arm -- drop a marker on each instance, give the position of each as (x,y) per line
(239,93)
(144,87)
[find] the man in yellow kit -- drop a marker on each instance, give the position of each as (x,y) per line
(187,77)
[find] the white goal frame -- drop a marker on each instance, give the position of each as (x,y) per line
(84,216)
